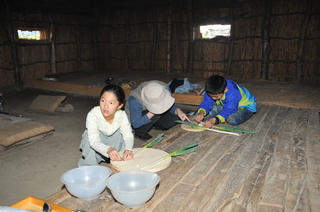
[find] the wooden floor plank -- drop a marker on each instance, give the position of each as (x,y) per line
(277,120)
(238,173)
(171,177)
(172,201)
(201,170)
(313,159)
(274,169)
(274,190)
(209,161)
(204,191)
(250,192)
(298,164)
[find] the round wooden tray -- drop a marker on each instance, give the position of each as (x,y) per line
(143,158)
(189,128)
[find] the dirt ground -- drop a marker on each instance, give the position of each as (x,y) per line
(35,169)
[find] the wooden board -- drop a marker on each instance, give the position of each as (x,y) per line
(142,159)
(84,90)
(189,128)
(274,169)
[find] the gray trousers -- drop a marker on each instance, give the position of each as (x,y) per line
(92,157)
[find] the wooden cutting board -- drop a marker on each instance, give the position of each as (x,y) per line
(142,159)
(189,128)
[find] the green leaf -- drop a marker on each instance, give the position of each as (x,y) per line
(191,124)
(155,141)
(184,148)
(186,151)
(151,143)
(229,129)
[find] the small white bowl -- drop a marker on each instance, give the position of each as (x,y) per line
(133,188)
(86,182)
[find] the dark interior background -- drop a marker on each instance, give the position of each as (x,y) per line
(274,40)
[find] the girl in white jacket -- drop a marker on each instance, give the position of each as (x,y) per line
(108,130)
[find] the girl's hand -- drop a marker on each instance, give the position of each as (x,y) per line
(113,154)
(182,115)
(127,155)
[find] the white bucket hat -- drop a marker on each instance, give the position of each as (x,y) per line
(156,98)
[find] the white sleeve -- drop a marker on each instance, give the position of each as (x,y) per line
(92,125)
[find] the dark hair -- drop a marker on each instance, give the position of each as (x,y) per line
(216,84)
(116,90)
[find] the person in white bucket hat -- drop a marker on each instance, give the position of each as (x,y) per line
(151,105)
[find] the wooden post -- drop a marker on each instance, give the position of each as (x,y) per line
(154,41)
(76,29)
(169,41)
(6,17)
(95,24)
(266,39)
(232,37)
(127,40)
(52,45)
(302,36)
(190,38)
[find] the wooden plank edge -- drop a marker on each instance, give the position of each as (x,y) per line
(84,90)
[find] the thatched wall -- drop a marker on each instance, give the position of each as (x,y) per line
(73,48)
(157,39)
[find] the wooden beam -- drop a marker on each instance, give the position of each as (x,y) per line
(190,37)
(232,38)
(76,30)
(169,40)
(83,90)
(95,25)
(187,99)
(52,46)
(13,46)
(154,40)
(302,37)
(126,56)
(266,39)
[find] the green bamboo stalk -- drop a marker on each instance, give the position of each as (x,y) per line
(221,129)
(184,150)
(233,129)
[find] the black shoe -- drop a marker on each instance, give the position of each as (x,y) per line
(144,137)
(157,128)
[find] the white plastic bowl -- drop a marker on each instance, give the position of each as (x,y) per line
(86,182)
(133,188)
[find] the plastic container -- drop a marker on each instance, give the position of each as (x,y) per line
(86,182)
(133,188)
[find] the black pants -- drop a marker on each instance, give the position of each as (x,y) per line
(162,121)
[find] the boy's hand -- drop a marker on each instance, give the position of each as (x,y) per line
(199,117)
(209,123)
(113,154)
(127,155)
